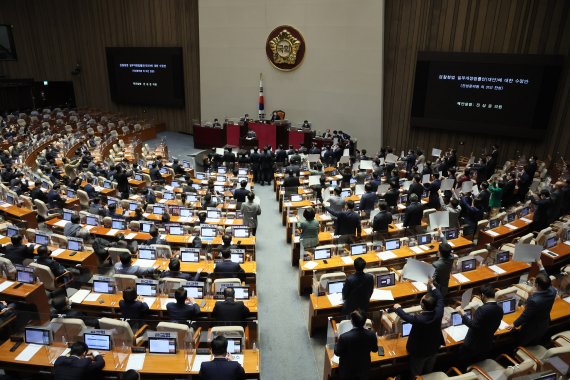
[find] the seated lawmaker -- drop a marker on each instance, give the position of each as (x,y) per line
(228,267)
(132,310)
(174,270)
(222,366)
(78,365)
(230,310)
(17,252)
(125,267)
(184,309)
(72,228)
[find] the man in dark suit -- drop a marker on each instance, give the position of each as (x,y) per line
(348,222)
(132,310)
(184,309)
(154,173)
(222,367)
(122,178)
(228,267)
(44,259)
(241,193)
(485,195)
(416,187)
(78,365)
(433,188)
(391,196)
(90,189)
(478,342)
(291,180)
(37,192)
(535,318)
(443,266)
(54,199)
(414,214)
(358,288)
(541,210)
(354,347)
(229,310)
(368,199)
(425,337)
(17,252)
(174,270)
(382,220)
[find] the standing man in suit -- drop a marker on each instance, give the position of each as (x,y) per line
(347,223)
(122,178)
(443,266)
(478,342)
(229,310)
(368,199)
(78,365)
(336,201)
(227,266)
(541,209)
(354,347)
(358,288)
(416,186)
(414,214)
(425,337)
(222,367)
(382,221)
(433,188)
(535,318)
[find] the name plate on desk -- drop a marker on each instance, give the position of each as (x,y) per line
(387,255)
(492,233)
(461,278)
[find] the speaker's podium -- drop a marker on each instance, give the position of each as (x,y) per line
(247,144)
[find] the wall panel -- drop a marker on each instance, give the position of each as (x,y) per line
(479,26)
(52,35)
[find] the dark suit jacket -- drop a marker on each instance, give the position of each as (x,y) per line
(381,221)
(221,368)
(240,194)
(357,291)
(535,319)
(37,193)
(230,268)
(443,267)
(367,201)
(73,368)
(416,188)
(482,327)
(433,187)
(17,254)
(290,181)
(414,214)
(181,313)
(391,197)
(426,336)
(90,190)
(133,310)
(347,223)
(353,349)
(230,311)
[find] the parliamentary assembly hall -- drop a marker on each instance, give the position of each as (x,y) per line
(284,189)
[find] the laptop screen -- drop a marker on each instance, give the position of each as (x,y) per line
(195,291)
(147,253)
(11,231)
(467,265)
(452,234)
(67,215)
(322,253)
(502,257)
(234,346)
(404,199)
(456,319)
(551,241)
(241,232)
(424,239)
(241,292)
(237,258)
(345,193)
(509,305)
(296,197)
(162,345)
(213,214)
(185,212)
(190,255)
(335,287)
(138,177)
(242,171)
(145,226)
(511,217)
(146,290)
(208,231)
(133,206)
(97,342)
(112,201)
(70,193)
(158,210)
(387,279)
(494,223)
(25,277)
(406,329)
(42,239)
(222,170)
(524,211)
(357,249)
(9,199)
(75,244)
(104,287)
(107,185)
(37,336)
(392,244)
(168,196)
(118,224)
(175,230)
(220,178)
(92,220)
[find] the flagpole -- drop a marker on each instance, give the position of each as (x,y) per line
(261,103)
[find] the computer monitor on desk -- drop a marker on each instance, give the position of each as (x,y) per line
(452,233)
(335,287)
(185,212)
(502,257)
(161,345)
(213,213)
(104,287)
(175,229)
(392,244)
(41,239)
(147,253)
(146,290)
(158,210)
(222,170)
(37,336)
(118,224)
(509,305)
(494,223)
(234,345)
(92,220)
(70,193)
(242,171)
(195,291)
(511,217)
(551,242)
(424,239)
(358,249)
(296,197)
(145,226)
(208,232)
(12,230)
(238,257)
(387,279)
(75,244)
(241,292)
(322,253)
(468,265)
(190,255)
(524,212)
(456,319)
(99,342)
(345,193)
(240,232)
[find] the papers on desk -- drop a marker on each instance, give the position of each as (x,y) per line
(166,301)
(98,188)
(387,255)
(461,278)
(382,295)
(503,325)
(510,226)
(28,353)
(457,333)
(527,253)
(61,223)
(131,236)
(89,228)
(420,286)
(112,232)
(347,260)
(335,299)
(439,219)
(79,296)
(310,265)
(212,221)
(136,362)
(492,233)
(92,297)
(417,250)
(162,200)
(146,214)
(425,247)
(286,204)
(526,220)
(416,270)
(497,270)
(366,165)
(335,359)
(567,299)
(5,285)
(144,263)
(63,353)
(57,252)
(567,242)
(149,300)
(198,360)
(5,205)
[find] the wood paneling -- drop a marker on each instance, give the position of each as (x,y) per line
(51,36)
(481,26)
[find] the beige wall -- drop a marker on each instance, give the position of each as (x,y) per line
(339,83)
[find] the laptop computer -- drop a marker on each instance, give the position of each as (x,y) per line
(392,244)
(383,280)
(104,287)
(468,265)
(37,336)
(161,345)
(509,305)
(322,253)
(190,255)
(98,342)
(424,239)
(357,249)
(335,287)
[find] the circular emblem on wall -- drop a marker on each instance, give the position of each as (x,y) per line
(285,48)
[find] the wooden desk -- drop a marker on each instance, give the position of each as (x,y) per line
(320,307)
(396,355)
(34,294)
(102,231)
(337,263)
(503,234)
(155,366)
(554,263)
(87,259)
(20,214)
